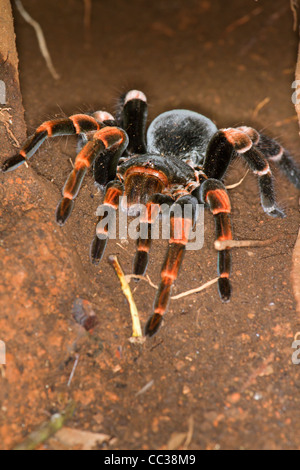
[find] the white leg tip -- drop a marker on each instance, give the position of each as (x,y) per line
(101,116)
(135,95)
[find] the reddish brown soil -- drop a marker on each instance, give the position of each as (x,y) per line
(222,371)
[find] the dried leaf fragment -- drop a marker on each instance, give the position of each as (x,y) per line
(86,440)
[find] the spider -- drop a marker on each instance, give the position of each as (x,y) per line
(182,159)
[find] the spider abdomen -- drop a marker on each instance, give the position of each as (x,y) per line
(180,133)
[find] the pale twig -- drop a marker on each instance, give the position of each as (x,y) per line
(294,7)
(190,433)
(243,20)
(136,325)
(40,38)
(221,245)
(146,278)
(6,119)
(235,185)
(195,291)
(73,370)
(182,440)
(145,388)
(175,297)
(260,105)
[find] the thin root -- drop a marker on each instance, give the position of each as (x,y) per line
(40,37)
(221,245)
(175,297)
(294,6)
(136,325)
(146,278)
(260,106)
(195,291)
(6,119)
(73,370)
(235,185)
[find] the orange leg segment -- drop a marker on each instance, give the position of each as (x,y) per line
(214,194)
(77,124)
(105,140)
(146,224)
(179,234)
(113,193)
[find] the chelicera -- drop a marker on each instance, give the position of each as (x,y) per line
(182,158)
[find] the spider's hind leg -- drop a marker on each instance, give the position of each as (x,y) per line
(227,141)
(277,154)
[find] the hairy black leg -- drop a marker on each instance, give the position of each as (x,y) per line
(152,210)
(77,124)
(105,169)
(243,143)
(214,194)
(181,226)
(102,144)
(133,119)
(104,118)
(113,193)
(274,152)
(259,166)
(218,156)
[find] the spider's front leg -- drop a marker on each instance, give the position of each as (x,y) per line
(107,142)
(180,229)
(153,207)
(132,117)
(114,191)
(214,194)
(242,141)
(76,124)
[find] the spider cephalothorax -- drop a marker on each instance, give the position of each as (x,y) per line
(181,159)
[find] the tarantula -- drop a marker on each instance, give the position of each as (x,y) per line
(181,159)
